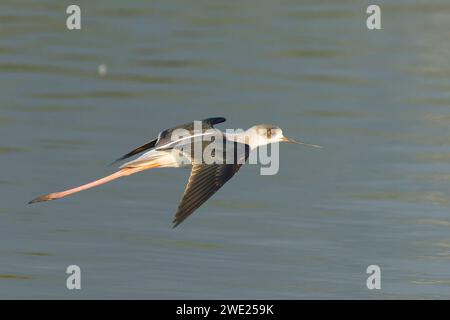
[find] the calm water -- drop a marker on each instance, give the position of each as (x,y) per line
(378,193)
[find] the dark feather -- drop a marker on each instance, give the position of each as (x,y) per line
(165,136)
(140,149)
(205,180)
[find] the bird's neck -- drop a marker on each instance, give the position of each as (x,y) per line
(247,137)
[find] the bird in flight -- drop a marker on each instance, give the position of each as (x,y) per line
(176,147)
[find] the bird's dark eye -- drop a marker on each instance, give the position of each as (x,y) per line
(269,133)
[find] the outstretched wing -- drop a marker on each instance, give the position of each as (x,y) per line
(147,146)
(165,136)
(206,179)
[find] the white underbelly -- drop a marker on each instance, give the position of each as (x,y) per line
(164,159)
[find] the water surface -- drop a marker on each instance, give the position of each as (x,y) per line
(378,193)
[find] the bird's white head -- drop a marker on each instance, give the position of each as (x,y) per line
(263,134)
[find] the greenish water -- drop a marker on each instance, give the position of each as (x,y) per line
(378,193)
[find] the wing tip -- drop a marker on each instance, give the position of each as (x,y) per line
(215,120)
(149,145)
(176,223)
(117,161)
(177,220)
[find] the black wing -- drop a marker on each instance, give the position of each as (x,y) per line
(147,146)
(205,180)
(165,136)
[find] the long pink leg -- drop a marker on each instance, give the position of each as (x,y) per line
(121,173)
